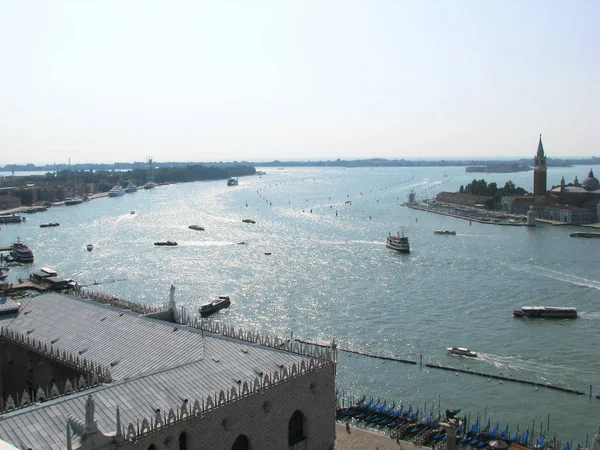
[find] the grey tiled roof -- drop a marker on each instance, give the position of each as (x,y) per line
(159,367)
(7,305)
(120,340)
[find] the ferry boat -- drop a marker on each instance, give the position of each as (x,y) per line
(549,312)
(21,253)
(11,218)
(116,191)
(447,232)
(232,182)
(462,351)
(215,305)
(398,243)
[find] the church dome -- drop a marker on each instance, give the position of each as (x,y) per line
(591,182)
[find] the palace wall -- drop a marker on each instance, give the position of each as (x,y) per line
(263,418)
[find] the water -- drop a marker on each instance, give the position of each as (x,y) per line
(331,275)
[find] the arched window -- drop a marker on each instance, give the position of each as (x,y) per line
(183,441)
(241,443)
(296,428)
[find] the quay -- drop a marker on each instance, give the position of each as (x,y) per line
(490,219)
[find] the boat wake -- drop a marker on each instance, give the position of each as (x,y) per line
(561,276)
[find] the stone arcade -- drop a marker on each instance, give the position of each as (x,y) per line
(77,373)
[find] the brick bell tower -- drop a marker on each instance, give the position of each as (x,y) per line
(539,170)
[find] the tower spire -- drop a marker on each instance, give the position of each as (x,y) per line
(540,149)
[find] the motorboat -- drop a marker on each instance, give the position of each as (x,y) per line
(90,247)
(462,351)
(166,243)
(585,234)
(248,221)
(232,182)
(196,227)
(21,253)
(116,191)
(548,312)
(398,243)
(132,212)
(445,232)
(130,188)
(215,305)
(150,185)
(51,224)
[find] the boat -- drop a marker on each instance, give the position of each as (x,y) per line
(548,312)
(11,218)
(21,253)
(132,212)
(232,182)
(69,201)
(51,224)
(398,243)
(585,235)
(196,227)
(446,232)
(215,305)
(130,188)
(90,247)
(462,351)
(248,221)
(166,243)
(116,191)
(150,185)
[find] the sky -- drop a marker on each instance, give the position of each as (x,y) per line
(255,80)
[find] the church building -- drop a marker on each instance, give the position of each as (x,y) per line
(86,371)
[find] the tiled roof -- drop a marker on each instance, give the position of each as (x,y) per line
(159,368)
(120,340)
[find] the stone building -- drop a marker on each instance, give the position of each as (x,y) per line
(98,373)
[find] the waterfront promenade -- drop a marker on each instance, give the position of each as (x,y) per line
(357,439)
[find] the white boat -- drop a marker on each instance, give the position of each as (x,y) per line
(150,185)
(73,200)
(447,232)
(116,191)
(462,351)
(21,253)
(130,188)
(398,243)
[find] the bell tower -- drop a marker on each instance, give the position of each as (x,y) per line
(539,170)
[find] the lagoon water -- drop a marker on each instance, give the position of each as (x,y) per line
(329,275)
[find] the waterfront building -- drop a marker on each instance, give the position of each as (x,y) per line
(573,204)
(88,371)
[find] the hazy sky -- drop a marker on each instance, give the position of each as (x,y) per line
(120,80)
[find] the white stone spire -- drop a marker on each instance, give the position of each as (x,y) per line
(90,424)
(172,305)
